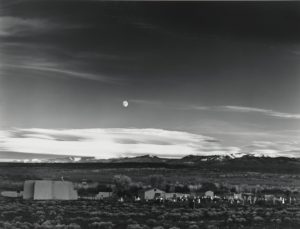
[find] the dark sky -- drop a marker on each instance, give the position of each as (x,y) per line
(227,71)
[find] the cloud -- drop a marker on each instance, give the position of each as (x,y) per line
(21,26)
(114,142)
(121,142)
(242,109)
(49,136)
(262,111)
(274,148)
(146,102)
(54,70)
(150,141)
(226,108)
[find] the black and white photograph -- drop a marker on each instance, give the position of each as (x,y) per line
(149,114)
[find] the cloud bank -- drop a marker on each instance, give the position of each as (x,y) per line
(108,143)
(123,142)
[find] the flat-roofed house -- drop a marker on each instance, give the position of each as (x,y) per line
(175,195)
(13,194)
(154,193)
(102,195)
(237,196)
(209,194)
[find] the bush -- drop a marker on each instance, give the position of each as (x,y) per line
(194,226)
(73,226)
(134,226)
(102,225)
(151,222)
(258,219)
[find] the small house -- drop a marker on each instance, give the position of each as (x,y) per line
(154,193)
(237,196)
(174,195)
(209,194)
(103,195)
(13,194)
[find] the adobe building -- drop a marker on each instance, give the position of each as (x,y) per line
(209,194)
(49,190)
(102,195)
(12,194)
(154,193)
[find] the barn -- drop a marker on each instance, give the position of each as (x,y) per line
(49,190)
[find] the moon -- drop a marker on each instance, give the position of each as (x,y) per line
(125,103)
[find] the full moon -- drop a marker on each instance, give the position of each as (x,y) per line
(125,103)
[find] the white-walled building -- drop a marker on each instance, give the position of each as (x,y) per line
(173,195)
(49,190)
(28,190)
(13,194)
(103,195)
(209,194)
(154,193)
(237,196)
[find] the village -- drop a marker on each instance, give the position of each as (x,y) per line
(124,190)
(155,203)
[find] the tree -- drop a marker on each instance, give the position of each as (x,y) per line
(135,188)
(207,186)
(122,185)
(157,181)
(182,189)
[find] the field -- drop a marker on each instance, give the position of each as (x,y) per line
(21,214)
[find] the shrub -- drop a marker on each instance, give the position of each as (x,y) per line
(102,225)
(73,226)
(194,226)
(134,226)
(60,226)
(151,222)
(258,219)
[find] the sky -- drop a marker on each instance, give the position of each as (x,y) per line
(201,78)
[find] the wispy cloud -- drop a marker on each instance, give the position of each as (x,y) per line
(146,102)
(22,26)
(226,108)
(57,71)
(262,111)
(242,109)
(107,143)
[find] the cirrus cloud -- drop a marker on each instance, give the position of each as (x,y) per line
(262,111)
(10,25)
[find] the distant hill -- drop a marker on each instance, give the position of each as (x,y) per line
(212,163)
(28,157)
